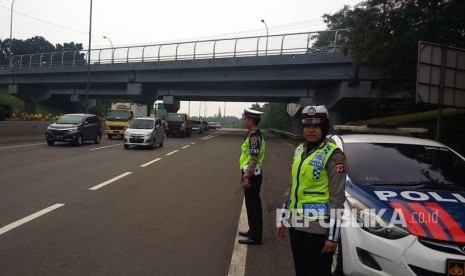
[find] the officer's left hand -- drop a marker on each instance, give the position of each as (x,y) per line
(329,247)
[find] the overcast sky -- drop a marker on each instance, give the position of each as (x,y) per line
(139,22)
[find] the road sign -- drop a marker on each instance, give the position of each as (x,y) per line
(440,75)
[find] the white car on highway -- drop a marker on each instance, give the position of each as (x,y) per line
(144,132)
(405,207)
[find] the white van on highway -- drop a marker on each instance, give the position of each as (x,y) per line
(144,131)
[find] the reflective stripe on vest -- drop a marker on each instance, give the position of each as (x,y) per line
(310,182)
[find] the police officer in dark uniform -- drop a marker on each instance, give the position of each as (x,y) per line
(250,164)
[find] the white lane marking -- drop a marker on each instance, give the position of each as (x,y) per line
(185,147)
(192,143)
(215,134)
(210,136)
(151,162)
(173,152)
(239,255)
(106,147)
(109,181)
(20,146)
(22,221)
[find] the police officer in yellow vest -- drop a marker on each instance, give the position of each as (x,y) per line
(250,164)
(315,198)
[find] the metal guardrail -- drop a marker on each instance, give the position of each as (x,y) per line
(286,134)
(281,44)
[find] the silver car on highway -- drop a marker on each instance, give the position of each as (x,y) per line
(144,131)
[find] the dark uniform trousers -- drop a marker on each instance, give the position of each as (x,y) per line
(253,205)
(308,259)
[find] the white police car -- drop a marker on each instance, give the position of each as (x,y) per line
(405,207)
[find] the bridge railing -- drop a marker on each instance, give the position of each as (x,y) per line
(282,44)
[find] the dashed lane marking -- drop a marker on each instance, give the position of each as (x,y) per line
(185,147)
(106,147)
(109,181)
(173,152)
(20,146)
(22,221)
(150,162)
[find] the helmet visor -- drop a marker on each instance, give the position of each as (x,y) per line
(312,121)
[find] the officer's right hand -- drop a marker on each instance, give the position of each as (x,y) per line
(245,183)
(281,230)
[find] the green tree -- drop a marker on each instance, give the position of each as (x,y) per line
(275,116)
(386,33)
(39,44)
(6,110)
(68,46)
(3,52)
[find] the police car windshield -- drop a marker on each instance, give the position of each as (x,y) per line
(404,165)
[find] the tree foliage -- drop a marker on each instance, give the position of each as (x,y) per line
(37,44)
(275,116)
(386,32)
(6,110)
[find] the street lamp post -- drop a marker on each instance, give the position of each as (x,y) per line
(88,59)
(112,49)
(11,31)
(266,46)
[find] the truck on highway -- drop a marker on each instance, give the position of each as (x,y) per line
(178,124)
(120,115)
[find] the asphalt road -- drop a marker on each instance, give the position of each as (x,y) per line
(103,210)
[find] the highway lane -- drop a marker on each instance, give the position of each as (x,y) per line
(177,215)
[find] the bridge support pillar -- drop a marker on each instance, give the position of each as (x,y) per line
(171,104)
(144,94)
(80,101)
(30,95)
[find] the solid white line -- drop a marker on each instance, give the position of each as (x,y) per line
(110,181)
(173,152)
(151,162)
(239,255)
(22,221)
(20,146)
(185,147)
(105,147)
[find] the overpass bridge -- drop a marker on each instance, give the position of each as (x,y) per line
(279,68)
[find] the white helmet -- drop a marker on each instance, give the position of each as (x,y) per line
(314,114)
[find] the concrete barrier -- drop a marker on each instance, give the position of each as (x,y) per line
(13,131)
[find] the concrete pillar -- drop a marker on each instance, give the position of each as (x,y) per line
(171,104)
(134,88)
(30,107)
(80,101)
(30,95)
